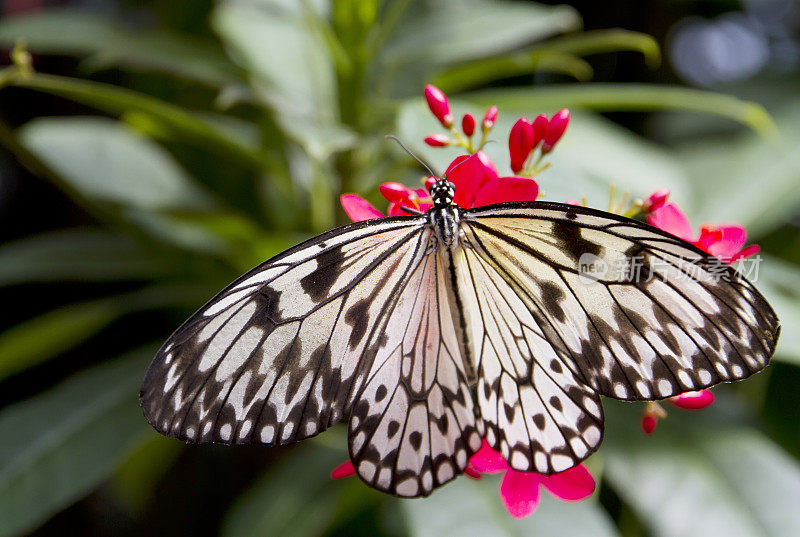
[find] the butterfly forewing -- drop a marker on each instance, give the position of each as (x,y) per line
(279,355)
(680,321)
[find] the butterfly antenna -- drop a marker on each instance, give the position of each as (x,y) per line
(407,150)
(468,158)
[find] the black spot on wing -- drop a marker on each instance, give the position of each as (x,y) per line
(553,296)
(573,242)
(356,317)
(318,283)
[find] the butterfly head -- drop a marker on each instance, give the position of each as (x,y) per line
(442,192)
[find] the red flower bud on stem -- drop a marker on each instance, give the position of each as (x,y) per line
(539,129)
(555,130)
(437,140)
(437,102)
(468,124)
(489,118)
(520,143)
(649,424)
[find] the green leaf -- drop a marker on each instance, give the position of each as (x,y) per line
(295,498)
(779,282)
(108,163)
(290,66)
(59,445)
(551,55)
(473,508)
(110,43)
(36,340)
(702,473)
(80,254)
(608,97)
(466,29)
(732,165)
(174,120)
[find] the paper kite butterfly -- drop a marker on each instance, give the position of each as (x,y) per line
(431,331)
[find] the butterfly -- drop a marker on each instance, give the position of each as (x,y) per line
(430,332)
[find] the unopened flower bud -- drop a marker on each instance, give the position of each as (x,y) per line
(539,129)
(489,118)
(437,140)
(468,124)
(520,143)
(649,424)
(437,102)
(555,130)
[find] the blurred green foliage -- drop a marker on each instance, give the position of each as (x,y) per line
(227,136)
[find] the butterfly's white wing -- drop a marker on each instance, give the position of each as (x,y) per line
(413,427)
(278,355)
(559,336)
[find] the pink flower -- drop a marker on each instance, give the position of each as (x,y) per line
(656,200)
(398,195)
(539,129)
(519,491)
(468,124)
(725,241)
(437,102)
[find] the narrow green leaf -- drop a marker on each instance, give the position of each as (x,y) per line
(474,508)
(80,254)
(108,163)
(59,445)
(39,339)
(702,473)
(109,43)
(463,30)
(548,56)
(607,97)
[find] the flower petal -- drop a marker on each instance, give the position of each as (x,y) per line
(470,176)
(357,208)
(672,220)
(753,249)
(507,189)
(487,460)
(570,485)
(693,400)
(520,492)
(730,241)
(346,469)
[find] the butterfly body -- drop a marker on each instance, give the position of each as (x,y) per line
(431,332)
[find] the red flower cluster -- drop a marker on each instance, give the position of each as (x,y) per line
(478,183)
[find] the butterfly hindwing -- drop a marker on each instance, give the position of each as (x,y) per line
(413,427)
(534,405)
(277,356)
